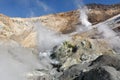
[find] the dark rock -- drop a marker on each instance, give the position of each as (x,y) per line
(70,74)
(100,73)
(73,72)
(57,66)
(107,60)
(105,67)
(96,74)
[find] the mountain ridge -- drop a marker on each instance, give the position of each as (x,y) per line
(21,30)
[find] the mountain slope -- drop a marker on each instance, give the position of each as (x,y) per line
(22,30)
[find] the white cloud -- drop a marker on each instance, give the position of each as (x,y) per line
(32,14)
(43,5)
(39,3)
(79,3)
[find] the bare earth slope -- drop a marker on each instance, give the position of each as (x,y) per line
(22,32)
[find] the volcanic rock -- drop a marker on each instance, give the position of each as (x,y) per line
(107,60)
(81,50)
(102,68)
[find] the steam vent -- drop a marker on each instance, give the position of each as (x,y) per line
(79,44)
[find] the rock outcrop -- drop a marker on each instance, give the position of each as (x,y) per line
(81,50)
(105,67)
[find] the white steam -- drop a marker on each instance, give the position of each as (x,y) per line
(16,62)
(85,24)
(110,36)
(84,17)
(106,31)
(47,39)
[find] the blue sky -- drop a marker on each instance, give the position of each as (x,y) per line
(31,8)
